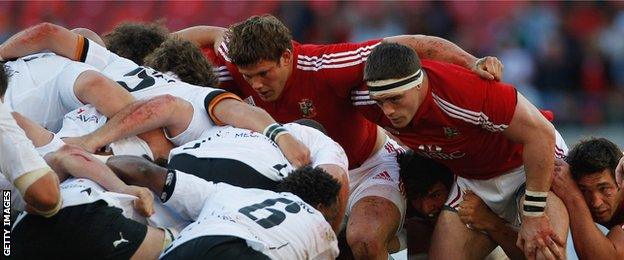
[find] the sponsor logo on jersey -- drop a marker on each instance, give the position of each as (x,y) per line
(307,108)
(383,176)
(450,132)
(436,152)
(86,119)
(121,240)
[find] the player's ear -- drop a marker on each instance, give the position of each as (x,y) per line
(286,57)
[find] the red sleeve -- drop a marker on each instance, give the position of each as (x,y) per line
(222,71)
(342,65)
(500,103)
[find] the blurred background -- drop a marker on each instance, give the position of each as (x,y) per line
(567,57)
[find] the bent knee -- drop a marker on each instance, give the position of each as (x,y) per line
(366,245)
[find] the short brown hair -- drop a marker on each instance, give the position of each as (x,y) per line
(257,38)
(134,41)
(185,59)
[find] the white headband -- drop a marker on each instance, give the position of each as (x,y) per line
(387,86)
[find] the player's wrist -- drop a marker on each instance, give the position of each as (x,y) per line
(274,131)
(534,204)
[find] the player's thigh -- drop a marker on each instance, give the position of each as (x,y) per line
(453,240)
(152,245)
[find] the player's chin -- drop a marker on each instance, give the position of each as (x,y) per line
(399,123)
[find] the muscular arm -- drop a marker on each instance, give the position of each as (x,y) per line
(172,113)
(436,48)
(531,129)
(44,36)
(239,114)
(203,36)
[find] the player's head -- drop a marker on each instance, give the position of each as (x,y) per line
(4,82)
(134,41)
(425,183)
(316,187)
(261,48)
(311,123)
(394,77)
(185,60)
(592,164)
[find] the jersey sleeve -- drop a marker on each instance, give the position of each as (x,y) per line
(341,65)
(18,153)
(93,54)
(213,99)
(499,106)
(189,194)
(323,150)
(223,70)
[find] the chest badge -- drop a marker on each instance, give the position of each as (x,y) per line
(450,132)
(307,108)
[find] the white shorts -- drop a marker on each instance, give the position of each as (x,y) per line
(378,176)
(502,194)
(41,87)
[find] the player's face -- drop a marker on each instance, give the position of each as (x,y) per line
(268,77)
(601,194)
(399,107)
(431,203)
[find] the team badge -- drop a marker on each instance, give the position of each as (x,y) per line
(307,108)
(451,132)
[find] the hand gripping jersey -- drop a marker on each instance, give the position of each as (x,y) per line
(261,153)
(280,225)
(145,82)
(460,123)
(319,88)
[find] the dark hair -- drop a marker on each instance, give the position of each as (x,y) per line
(184,59)
(134,41)
(593,155)
(257,38)
(391,61)
(313,185)
(418,174)
(4,82)
(311,123)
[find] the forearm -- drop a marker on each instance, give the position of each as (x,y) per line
(139,117)
(539,162)
(589,241)
(44,36)
(80,164)
(203,36)
(239,114)
(139,172)
(436,48)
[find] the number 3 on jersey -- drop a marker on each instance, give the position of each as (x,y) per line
(276,217)
(141,78)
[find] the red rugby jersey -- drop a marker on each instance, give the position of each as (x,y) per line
(318,88)
(460,122)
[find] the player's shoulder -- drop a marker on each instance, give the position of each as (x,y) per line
(455,85)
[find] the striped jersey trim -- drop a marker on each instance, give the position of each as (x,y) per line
(476,118)
(335,60)
(361,98)
(223,73)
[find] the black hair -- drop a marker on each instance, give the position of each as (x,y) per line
(313,185)
(391,61)
(134,41)
(4,81)
(418,174)
(311,123)
(593,155)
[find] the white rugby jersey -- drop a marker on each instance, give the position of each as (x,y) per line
(80,191)
(17,153)
(261,153)
(279,225)
(144,82)
(87,119)
(41,87)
